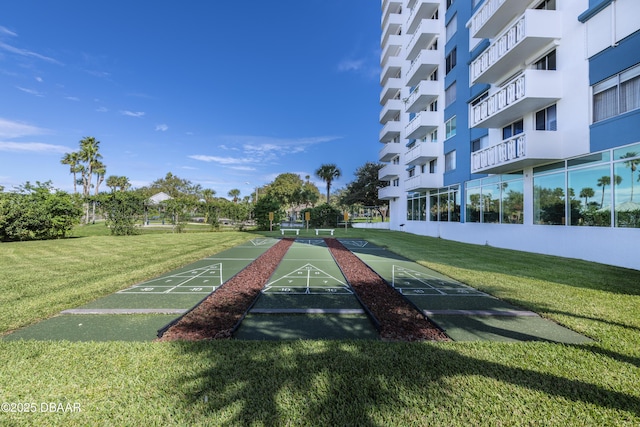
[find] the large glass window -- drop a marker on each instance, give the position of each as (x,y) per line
(450,161)
(590,195)
(496,199)
(627,186)
(444,204)
(549,195)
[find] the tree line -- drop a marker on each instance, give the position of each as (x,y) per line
(39,211)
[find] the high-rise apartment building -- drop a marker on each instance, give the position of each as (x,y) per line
(514,123)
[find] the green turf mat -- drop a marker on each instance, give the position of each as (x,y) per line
(506,328)
(306,327)
(95,328)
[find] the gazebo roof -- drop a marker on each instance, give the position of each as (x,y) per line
(158,198)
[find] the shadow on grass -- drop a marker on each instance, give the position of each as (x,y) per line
(371,384)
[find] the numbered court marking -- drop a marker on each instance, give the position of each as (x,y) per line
(307,279)
(263,241)
(354,243)
(313,242)
(412,282)
(202,280)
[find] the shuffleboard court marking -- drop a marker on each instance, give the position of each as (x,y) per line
(209,279)
(262,242)
(307,279)
(413,282)
(312,242)
(354,243)
(307,311)
(124,311)
(508,313)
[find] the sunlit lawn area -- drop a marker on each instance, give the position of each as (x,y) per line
(320,382)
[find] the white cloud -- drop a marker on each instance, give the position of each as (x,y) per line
(32,147)
(351,65)
(102,109)
(72,98)
(132,113)
(39,79)
(27,53)
(162,127)
(261,149)
(5,30)
(30,91)
(11,129)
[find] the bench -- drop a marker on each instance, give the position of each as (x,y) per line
(327,230)
(282,230)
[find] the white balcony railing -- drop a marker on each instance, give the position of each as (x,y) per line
(423,181)
(500,100)
(498,49)
(498,155)
(531,32)
(527,92)
(482,16)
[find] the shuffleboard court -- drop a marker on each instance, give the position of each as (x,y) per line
(307,298)
(137,312)
(465,313)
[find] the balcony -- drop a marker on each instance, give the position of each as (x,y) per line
(422,153)
(524,150)
(392,26)
(423,95)
(493,16)
(390,172)
(423,182)
(423,9)
(530,91)
(422,66)
(424,36)
(390,110)
(389,193)
(390,131)
(390,7)
(392,69)
(389,151)
(390,90)
(423,123)
(391,49)
(532,32)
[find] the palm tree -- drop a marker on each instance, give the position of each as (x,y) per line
(586,193)
(73,160)
(99,169)
(89,154)
(235,193)
(327,173)
(633,165)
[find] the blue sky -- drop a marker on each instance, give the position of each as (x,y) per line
(220,93)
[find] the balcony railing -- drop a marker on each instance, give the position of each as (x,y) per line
(390,131)
(498,49)
(422,66)
(423,181)
(422,96)
(482,16)
(422,153)
(506,152)
(421,124)
(389,151)
(531,148)
(531,90)
(389,193)
(390,172)
(534,30)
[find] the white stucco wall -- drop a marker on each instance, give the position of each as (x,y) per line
(614,246)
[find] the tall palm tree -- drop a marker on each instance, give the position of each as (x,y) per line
(72,160)
(235,193)
(89,154)
(100,170)
(327,173)
(633,165)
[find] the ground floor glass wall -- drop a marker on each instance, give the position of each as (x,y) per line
(442,204)
(495,199)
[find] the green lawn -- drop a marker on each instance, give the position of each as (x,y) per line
(368,383)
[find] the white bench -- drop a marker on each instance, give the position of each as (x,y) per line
(327,230)
(282,230)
